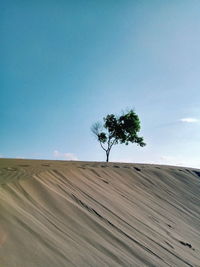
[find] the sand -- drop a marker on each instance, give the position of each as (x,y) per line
(59,213)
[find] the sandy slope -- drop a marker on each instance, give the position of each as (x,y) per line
(57,213)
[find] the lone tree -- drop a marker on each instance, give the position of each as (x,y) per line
(118,129)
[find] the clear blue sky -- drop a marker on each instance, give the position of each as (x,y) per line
(66,64)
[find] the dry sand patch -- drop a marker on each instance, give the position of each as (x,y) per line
(58,213)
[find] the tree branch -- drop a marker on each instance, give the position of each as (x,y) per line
(111,144)
(102,146)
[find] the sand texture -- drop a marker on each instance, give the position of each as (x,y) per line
(58,213)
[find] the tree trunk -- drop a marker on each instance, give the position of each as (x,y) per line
(107,156)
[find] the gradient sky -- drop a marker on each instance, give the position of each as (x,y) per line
(66,64)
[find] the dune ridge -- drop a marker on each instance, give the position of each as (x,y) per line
(58,213)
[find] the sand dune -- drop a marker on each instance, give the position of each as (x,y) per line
(58,213)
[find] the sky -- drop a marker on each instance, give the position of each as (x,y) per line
(67,64)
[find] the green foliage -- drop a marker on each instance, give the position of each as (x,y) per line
(122,129)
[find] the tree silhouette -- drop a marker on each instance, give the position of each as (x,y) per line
(118,129)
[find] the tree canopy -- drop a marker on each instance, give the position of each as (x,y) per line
(118,129)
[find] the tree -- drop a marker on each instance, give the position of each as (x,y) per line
(118,129)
